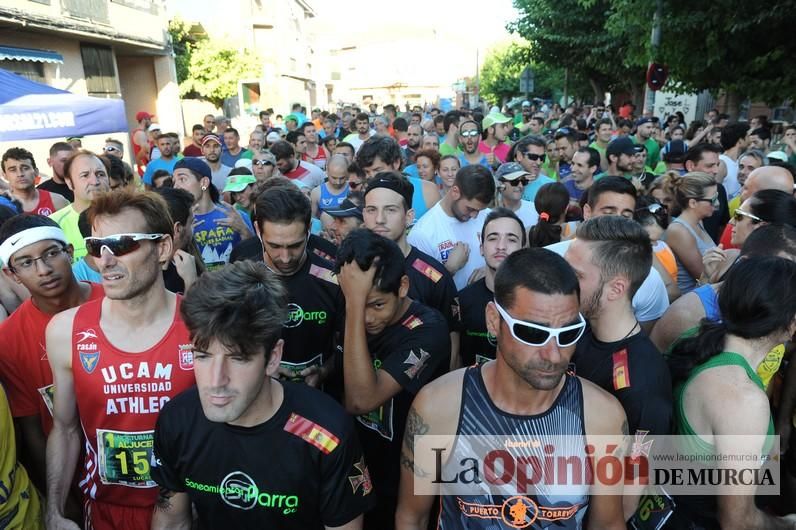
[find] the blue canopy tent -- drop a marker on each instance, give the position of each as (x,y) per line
(32,111)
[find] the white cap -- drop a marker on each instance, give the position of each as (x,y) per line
(153,127)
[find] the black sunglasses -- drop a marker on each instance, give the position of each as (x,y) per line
(118,244)
(515,182)
(532,156)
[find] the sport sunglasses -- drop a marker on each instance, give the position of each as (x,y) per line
(537,335)
(118,244)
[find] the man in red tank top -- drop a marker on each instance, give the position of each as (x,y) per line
(20,171)
(35,253)
(141,144)
(116,361)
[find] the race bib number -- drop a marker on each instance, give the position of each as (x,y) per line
(654,509)
(125,458)
(47,393)
(296,368)
(379,420)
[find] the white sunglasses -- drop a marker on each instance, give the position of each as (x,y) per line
(538,335)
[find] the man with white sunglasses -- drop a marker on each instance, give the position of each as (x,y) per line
(116,361)
(524,395)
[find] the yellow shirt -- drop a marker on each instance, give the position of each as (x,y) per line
(20,502)
(67,219)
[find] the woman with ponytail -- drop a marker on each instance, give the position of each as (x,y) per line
(718,394)
(551,201)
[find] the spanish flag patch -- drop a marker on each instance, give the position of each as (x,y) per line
(621,370)
(312,433)
(427,270)
(412,322)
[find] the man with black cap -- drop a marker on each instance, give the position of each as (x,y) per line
(217,227)
(211,149)
(644,130)
(345,217)
(620,153)
(673,154)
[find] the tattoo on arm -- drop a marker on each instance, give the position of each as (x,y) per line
(408,463)
(164,499)
(414,426)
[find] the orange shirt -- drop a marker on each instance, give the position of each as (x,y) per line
(666,257)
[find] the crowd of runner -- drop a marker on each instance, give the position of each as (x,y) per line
(216,335)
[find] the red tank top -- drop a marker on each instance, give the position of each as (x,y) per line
(45,206)
(119,396)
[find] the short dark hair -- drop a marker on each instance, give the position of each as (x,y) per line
(282,205)
(768,240)
(536,269)
(361,116)
(502,213)
(476,182)
(612,184)
(695,152)
(263,113)
(622,247)
(60,146)
(400,124)
(293,137)
(603,121)
(282,150)
(304,126)
(347,146)
(774,206)
(732,133)
(594,155)
(198,127)
(77,153)
(522,145)
(452,117)
(23,221)
(363,247)
(232,130)
(242,305)
(762,132)
(116,169)
(179,203)
(384,147)
(570,133)
(18,153)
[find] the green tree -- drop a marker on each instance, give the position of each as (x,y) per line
(571,35)
(216,68)
(500,73)
(744,49)
(183,43)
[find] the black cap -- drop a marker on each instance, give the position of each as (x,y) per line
(346,209)
(623,145)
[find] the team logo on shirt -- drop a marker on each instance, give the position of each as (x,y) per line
(296,315)
(416,364)
(185,355)
(85,335)
(88,351)
(518,511)
(46,212)
(89,360)
(362,479)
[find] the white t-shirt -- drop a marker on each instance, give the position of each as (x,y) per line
(436,233)
(355,140)
(650,301)
(731,184)
(527,214)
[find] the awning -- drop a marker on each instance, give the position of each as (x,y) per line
(8,53)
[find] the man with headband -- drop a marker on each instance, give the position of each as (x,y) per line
(116,361)
(35,253)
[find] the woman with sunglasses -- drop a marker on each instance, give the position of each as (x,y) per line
(654,218)
(718,394)
(696,197)
(764,207)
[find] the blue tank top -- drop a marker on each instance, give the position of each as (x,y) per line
(685,281)
(710,302)
(418,201)
(330,201)
(510,509)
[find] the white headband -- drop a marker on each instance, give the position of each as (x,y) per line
(28,237)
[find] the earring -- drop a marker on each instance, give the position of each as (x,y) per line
(204,188)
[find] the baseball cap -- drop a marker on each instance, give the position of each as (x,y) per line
(399,184)
(493,118)
(510,171)
(142,115)
(236,183)
(526,103)
(674,150)
(195,164)
(623,145)
(778,155)
(346,209)
(291,117)
(244,162)
(643,120)
(153,127)
(273,136)
(211,138)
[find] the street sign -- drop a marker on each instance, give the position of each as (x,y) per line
(526,81)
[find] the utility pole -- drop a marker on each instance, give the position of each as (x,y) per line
(655,40)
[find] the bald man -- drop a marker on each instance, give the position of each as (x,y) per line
(333,191)
(762,178)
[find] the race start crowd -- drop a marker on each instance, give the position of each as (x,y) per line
(220,336)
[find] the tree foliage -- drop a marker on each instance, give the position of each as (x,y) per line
(209,68)
(731,45)
(500,73)
(571,34)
